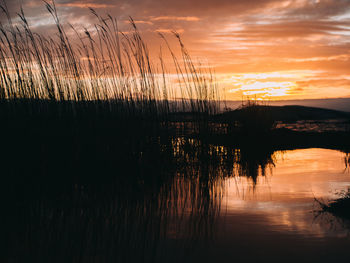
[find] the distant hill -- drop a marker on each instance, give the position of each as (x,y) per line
(340,104)
(288,113)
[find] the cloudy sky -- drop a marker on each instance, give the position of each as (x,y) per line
(271,49)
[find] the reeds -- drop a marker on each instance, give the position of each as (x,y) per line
(96,73)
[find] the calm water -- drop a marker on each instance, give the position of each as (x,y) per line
(259,207)
(336,125)
(277,218)
(285,195)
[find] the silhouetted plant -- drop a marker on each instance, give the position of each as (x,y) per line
(339,207)
(254,117)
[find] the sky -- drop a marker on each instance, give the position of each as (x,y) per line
(264,49)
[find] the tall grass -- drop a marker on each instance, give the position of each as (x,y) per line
(255,117)
(101,71)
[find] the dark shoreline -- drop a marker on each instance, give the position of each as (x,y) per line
(283,139)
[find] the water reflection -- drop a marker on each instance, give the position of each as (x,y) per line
(129,224)
(285,196)
(183,200)
(347,160)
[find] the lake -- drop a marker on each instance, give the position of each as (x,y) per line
(277,218)
(250,206)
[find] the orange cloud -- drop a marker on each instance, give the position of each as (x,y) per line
(139,22)
(177,18)
(86,5)
(164,30)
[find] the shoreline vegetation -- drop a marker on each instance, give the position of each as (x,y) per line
(338,207)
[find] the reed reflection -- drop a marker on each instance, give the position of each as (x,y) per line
(156,202)
(159,202)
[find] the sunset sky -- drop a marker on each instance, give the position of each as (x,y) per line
(268,49)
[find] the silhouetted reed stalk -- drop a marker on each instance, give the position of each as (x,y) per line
(101,72)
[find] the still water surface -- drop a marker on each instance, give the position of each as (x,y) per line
(285,196)
(277,219)
(264,210)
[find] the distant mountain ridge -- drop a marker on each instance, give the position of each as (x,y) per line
(288,113)
(339,104)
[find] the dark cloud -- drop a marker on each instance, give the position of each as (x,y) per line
(155,7)
(299,29)
(317,8)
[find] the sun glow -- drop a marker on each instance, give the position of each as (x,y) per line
(266,86)
(267,90)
